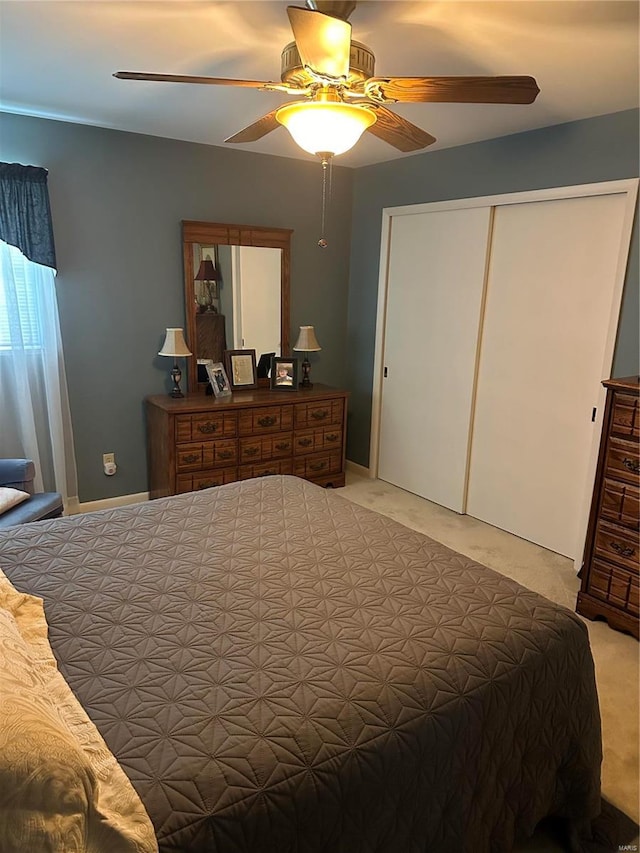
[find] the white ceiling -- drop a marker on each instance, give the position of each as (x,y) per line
(57,58)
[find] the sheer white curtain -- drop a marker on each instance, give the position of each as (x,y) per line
(35,420)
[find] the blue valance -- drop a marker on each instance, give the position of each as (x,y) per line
(25,214)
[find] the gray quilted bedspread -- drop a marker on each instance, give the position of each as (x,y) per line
(278,669)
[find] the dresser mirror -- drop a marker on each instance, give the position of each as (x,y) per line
(236,286)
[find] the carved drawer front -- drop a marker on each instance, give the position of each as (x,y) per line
(266,448)
(209,454)
(623,461)
(312,440)
(207,426)
(618,545)
(318,465)
(204,480)
(319,414)
(626,416)
(621,504)
(265,469)
(615,586)
(265,419)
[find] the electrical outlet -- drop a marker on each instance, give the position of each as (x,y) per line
(108,458)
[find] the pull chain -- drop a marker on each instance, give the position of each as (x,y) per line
(326,164)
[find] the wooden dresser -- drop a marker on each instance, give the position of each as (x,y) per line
(610,570)
(196,442)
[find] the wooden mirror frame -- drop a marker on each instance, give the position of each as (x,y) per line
(223,234)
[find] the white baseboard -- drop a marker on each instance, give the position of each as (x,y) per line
(73,505)
(359,470)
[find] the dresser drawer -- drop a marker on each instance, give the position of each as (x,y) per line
(319,414)
(313,440)
(618,545)
(621,504)
(266,448)
(209,454)
(204,480)
(623,461)
(265,469)
(199,427)
(318,465)
(625,420)
(615,586)
(265,419)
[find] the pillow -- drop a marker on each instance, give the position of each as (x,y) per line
(11,497)
(61,789)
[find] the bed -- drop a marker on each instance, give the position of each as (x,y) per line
(278,669)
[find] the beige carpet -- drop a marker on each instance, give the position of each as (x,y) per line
(616,655)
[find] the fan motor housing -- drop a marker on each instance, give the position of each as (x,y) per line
(361,65)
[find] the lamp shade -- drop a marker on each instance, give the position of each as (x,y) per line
(307,341)
(207,271)
(321,127)
(174,344)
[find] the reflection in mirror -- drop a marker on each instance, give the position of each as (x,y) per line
(236,291)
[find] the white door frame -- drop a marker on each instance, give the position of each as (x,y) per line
(629,187)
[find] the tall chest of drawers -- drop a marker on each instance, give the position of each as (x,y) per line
(197,442)
(609,573)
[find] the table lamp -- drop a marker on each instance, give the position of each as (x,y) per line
(306,343)
(175,345)
(209,276)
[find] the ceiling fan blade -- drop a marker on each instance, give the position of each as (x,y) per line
(256,130)
(399,132)
(453,90)
(323,42)
(211,81)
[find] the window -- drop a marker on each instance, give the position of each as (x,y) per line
(20,322)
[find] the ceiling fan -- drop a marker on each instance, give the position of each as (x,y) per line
(339,96)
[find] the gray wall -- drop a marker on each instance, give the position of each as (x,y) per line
(600,149)
(117,202)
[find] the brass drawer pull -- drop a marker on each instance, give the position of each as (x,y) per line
(304,442)
(225,454)
(251,451)
(284,445)
(207,484)
(267,420)
(207,428)
(266,473)
(632,465)
(620,549)
(191,457)
(333,437)
(317,466)
(319,414)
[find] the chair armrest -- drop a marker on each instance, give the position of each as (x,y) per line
(17,474)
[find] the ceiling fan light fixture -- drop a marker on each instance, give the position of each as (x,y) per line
(325,127)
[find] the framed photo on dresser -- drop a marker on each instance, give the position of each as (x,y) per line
(284,374)
(241,369)
(218,379)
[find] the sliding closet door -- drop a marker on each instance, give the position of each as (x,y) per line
(434,300)
(549,298)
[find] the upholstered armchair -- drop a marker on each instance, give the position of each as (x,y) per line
(19,474)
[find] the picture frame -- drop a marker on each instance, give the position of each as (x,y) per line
(264,365)
(241,369)
(284,373)
(218,378)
